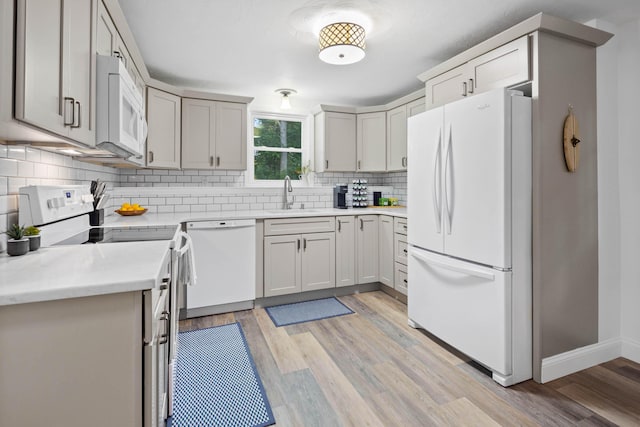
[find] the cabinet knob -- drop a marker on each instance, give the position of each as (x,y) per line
(218,161)
(210,160)
(326,164)
(464,88)
(361,224)
(339,226)
(359,167)
(150,156)
(470,85)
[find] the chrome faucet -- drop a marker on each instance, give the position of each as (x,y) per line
(287,189)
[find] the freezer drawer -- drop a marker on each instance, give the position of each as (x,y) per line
(464,304)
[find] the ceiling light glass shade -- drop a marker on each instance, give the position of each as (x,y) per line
(342,43)
(285,104)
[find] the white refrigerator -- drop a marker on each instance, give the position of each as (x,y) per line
(469,197)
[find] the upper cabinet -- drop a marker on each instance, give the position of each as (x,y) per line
(504,66)
(55,78)
(214,134)
(397,133)
(371,142)
(335,136)
(164,121)
(397,138)
(109,42)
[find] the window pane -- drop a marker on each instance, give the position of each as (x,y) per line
(273,165)
(277,133)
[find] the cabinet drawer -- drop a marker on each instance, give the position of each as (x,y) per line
(400,225)
(401,278)
(400,248)
(502,67)
(281,226)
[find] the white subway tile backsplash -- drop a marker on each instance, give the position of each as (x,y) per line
(15,184)
(16,152)
(8,167)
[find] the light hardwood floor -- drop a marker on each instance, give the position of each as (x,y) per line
(371,369)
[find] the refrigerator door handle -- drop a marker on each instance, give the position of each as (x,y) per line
(452,267)
(436,190)
(447,187)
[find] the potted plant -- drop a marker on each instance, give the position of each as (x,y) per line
(33,233)
(17,243)
(305,174)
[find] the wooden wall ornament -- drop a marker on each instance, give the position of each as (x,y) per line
(571,139)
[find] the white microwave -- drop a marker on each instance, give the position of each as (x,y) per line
(121,126)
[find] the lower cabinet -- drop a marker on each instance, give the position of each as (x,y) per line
(385,250)
(299,262)
(400,250)
(401,278)
(345,251)
(367,249)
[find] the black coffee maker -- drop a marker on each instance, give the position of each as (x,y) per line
(340,196)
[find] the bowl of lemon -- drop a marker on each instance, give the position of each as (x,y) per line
(128,209)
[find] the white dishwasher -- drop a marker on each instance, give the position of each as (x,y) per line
(225,259)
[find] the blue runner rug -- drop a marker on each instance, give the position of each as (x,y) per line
(217,383)
(289,314)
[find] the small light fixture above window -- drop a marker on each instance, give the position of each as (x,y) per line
(342,43)
(285,104)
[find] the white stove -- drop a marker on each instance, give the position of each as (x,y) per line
(62,214)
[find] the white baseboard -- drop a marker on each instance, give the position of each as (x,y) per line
(576,360)
(631,349)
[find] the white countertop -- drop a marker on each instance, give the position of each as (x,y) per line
(81,270)
(85,270)
(153,219)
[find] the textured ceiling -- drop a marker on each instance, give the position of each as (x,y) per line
(253,47)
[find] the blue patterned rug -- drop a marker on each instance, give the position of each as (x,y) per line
(299,312)
(217,383)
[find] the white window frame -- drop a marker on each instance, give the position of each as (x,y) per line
(306,144)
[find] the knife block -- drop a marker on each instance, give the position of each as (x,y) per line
(96,217)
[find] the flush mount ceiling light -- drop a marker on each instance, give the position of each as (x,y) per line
(341,43)
(285,104)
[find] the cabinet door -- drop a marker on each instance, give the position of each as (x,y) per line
(39,40)
(416,107)
(340,142)
(446,87)
(505,66)
(385,250)
(198,133)
(106,33)
(345,251)
(318,261)
(163,140)
(371,144)
(79,67)
(231,136)
(282,261)
(367,248)
(397,138)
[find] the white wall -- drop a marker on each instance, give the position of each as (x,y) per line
(629,176)
(619,186)
(608,187)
